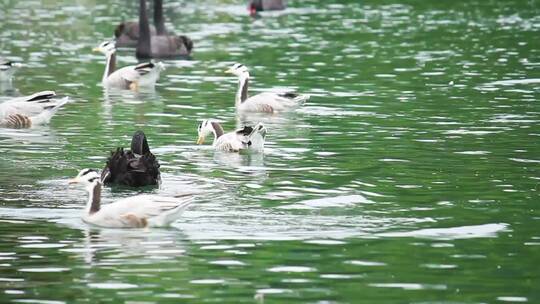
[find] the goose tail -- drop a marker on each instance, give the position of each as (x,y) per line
(169,216)
(49,111)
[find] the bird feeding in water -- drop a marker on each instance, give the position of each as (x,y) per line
(31,110)
(245,138)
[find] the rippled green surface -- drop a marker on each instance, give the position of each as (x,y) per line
(411,176)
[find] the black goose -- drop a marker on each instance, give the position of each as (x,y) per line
(160,45)
(127,33)
(255,6)
(135,168)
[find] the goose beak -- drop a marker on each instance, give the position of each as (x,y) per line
(200,140)
(73,181)
(228,71)
(96,49)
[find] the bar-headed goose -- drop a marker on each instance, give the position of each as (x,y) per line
(130,77)
(161,45)
(246,138)
(267,102)
(255,6)
(32,110)
(7,69)
(135,168)
(131,212)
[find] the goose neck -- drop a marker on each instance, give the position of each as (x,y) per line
(159,22)
(94,198)
(143,44)
(110,66)
(242,93)
(217,130)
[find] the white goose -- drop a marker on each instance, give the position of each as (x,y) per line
(267,102)
(32,110)
(130,77)
(138,211)
(246,138)
(7,69)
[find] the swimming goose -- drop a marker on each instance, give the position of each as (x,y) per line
(161,45)
(135,168)
(245,138)
(127,33)
(7,69)
(264,102)
(255,6)
(130,77)
(138,211)
(32,110)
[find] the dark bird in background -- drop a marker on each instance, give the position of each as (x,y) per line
(127,33)
(152,41)
(162,45)
(135,168)
(255,6)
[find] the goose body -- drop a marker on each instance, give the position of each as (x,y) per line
(161,45)
(130,77)
(127,34)
(7,69)
(138,211)
(246,138)
(134,168)
(267,102)
(32,110)
(255,6)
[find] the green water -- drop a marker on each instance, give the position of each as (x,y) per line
(411,176)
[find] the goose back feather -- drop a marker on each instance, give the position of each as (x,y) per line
(137,167)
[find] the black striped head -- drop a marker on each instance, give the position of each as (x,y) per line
(238,69)
(87,177)
(107,48)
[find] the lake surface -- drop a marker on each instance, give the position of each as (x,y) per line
(410,176)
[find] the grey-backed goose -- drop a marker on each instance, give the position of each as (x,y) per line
(130,77)
(267,102)
(32,110)
(138,211)
(246,138)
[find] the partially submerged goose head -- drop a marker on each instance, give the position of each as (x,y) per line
(88,178)
(238,69)
(107,48)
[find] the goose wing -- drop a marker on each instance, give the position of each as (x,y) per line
(129,169)
(125,76)
(31,105)
(273,102)
(142,206)
(232,142)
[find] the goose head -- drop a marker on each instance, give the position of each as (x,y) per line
(239,70)
(107,48)
(204,129)
(207,127)
(89,178)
